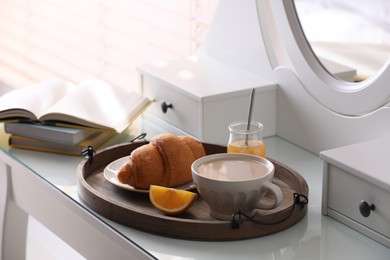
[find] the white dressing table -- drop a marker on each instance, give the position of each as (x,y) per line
(44,186)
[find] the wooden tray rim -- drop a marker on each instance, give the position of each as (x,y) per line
(83,186)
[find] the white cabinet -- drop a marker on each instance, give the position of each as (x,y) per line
(205,97)
(356,187)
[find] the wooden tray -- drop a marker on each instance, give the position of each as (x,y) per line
(136,211)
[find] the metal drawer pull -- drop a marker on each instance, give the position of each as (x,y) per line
(365,208)
(165,106)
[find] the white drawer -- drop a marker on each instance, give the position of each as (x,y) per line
(206,96)
(346,192)
(185,112)
(357,173)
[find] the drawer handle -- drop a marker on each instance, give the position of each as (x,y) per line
(165,106)
(365,208)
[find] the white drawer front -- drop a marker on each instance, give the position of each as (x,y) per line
(185,112)
(346,191)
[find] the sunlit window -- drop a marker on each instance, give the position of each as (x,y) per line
(105,39)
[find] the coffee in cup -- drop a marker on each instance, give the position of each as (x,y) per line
(231,182)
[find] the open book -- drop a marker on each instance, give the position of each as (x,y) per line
(92,104)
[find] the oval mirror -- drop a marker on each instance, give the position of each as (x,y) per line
(353,33)
(345,98)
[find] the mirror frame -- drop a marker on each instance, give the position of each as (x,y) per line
(345,98)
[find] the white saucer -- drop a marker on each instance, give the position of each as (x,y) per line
(111,171)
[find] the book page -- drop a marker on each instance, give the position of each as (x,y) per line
(97,104)
(33,101)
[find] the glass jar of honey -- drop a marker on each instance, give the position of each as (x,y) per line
(244,139)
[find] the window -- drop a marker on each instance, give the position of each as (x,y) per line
(105,39)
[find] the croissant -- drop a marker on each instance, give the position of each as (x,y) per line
(165,161)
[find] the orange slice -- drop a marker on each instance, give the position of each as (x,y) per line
(171,201)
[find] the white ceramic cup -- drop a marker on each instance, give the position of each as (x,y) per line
(232,182)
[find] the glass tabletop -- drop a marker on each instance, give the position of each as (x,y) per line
(314,237)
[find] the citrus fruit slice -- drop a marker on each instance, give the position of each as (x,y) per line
(170,200)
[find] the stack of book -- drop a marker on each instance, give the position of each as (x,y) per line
(61,117)
(56,139)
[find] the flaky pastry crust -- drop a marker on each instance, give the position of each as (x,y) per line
(165,161)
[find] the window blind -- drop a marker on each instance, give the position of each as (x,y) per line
(105,39)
